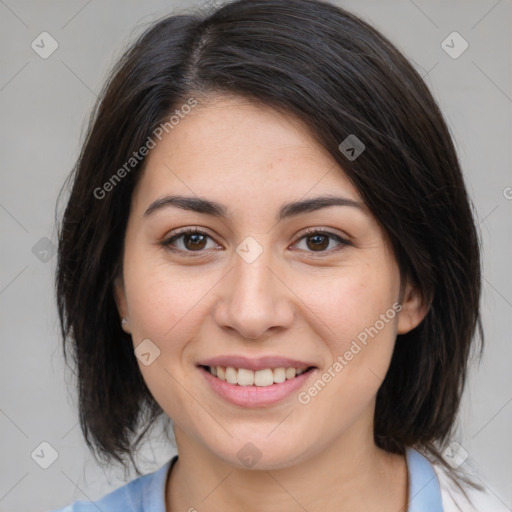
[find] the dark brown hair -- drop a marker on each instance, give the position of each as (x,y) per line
(322,64)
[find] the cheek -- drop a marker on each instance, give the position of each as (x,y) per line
(167,306)
(357,318)
(360,340)
(351,302)
(163,298)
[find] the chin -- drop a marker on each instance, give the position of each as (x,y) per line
(260,451)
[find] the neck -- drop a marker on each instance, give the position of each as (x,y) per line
(346,476)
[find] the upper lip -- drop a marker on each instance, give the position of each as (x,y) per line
(256,363)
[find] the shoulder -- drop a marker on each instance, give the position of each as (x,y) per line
(476,500)
(145,493)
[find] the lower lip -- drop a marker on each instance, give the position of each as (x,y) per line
(255,396)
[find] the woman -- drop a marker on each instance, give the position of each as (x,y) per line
(268,240)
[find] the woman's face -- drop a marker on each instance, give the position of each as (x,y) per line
(258,289)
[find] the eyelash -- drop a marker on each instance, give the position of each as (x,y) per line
(167,243)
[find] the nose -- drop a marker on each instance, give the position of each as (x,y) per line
(253,300)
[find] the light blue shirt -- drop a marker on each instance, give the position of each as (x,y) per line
(147,493)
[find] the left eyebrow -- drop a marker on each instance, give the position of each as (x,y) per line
(215,209)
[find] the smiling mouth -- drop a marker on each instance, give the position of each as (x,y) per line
(261,378)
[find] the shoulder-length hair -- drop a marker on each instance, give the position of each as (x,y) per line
(327,67)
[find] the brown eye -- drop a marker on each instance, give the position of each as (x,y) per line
(194,242)
(320,241)
(189,240)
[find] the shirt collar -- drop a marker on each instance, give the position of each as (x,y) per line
(424,488)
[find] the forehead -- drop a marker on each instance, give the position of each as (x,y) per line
(233,149)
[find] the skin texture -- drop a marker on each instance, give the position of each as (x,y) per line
(294,300)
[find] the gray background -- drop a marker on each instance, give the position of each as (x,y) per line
(44,105)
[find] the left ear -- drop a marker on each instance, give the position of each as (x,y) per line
(414,309)
(120,300)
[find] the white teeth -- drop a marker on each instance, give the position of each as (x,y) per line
(231,375)
(279,374)
(245,377)
(290,373)
(262,378)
